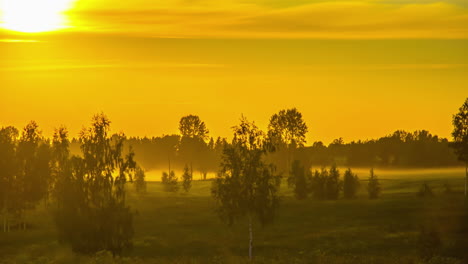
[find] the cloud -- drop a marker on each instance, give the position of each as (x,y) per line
(320,19)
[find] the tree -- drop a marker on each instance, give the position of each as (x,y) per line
(246,185)
(192,127)
(8,170)
(350,184)
(92,214)
(169,181)
(373,186)
(298,179)
(319,184)
(460,137)
(333,184)
(287,129)
(139,181)
(187,178)
(33,157)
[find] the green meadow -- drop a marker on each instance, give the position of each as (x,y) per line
(184,228)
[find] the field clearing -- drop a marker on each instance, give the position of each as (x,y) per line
(183,227)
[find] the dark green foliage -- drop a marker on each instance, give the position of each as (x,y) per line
(139,180)
(373,186)
(460,137)
(92,214)
(299,179)
(187,179)
(425,191)
(33,157)
(169,181)
(9,186)
(350,184)
(319,183)
(429,243)
(246,185)
(460,132)
(333,184)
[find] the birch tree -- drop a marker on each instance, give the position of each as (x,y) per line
(246,187)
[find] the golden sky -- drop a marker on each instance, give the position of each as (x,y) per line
(355,69)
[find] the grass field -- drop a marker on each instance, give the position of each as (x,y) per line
(183,228)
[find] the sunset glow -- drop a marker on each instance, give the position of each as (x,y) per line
(33,16)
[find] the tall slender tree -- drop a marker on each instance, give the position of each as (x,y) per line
(246,186)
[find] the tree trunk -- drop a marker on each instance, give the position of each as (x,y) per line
(466,176)
(250,238)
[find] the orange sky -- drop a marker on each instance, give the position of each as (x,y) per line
(355,69)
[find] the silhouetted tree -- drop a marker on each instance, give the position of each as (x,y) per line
(333,183)
(350,184)
(93,215)
(187,178)
(139,180)
(9,188)
(373,186)
(298,179)
(192,127)
(287,130)
(246,185)
(460,137)
(33,157)
(169,181)
(319,184)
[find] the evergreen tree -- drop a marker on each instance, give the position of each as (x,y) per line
(187,179)
(298,180)
(169,181)
(139,180)
(373,186)
(333,184)
(350,184)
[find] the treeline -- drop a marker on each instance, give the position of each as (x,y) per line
(419,149)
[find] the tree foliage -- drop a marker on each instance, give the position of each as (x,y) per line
(350,184)
(191,126)
(299,179)
(92,214)
(139,181)
(460,132)
(187,179)
(169,181)
(373,186)
(333,183)
(246,185)
(288,128)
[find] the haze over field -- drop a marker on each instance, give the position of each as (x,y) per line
(234,131)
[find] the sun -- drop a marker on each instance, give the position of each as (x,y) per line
(33,16)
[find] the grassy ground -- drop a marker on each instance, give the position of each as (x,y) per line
(183,228)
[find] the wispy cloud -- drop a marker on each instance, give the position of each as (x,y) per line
(264,19)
